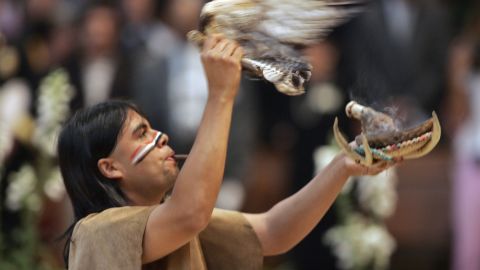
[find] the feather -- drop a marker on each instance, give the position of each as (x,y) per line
(270,31)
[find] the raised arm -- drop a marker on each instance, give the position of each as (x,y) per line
(189,208)
(289,221)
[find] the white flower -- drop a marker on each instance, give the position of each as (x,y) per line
(54,187)
(377,194)
(324,155)
(324,98)
(53,108)
(360,243)
(21,185)
(6,142)
(33,202)
(381,245)
(14,103)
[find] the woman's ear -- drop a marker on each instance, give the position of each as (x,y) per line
(109,168)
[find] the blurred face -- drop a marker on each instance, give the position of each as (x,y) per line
(147,181)
(183,15)
(323,57)
(138,11)
(100,30)
(40,8)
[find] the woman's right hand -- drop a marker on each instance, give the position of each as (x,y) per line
(221,60)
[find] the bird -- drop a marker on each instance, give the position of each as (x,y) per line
(273,32)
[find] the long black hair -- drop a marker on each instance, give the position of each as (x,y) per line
(89,135)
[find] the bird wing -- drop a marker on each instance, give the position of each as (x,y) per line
(299,22)
(304,21)
(267,29)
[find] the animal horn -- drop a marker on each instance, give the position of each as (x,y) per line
(436,133)
(342,142)
(368,152)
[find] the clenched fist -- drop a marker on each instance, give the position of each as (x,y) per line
(221,60)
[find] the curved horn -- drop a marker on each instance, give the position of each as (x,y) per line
(368,152)
(436,133)
(342,142)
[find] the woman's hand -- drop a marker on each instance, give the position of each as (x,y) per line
(221,60)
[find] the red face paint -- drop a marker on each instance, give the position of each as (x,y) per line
(141,151)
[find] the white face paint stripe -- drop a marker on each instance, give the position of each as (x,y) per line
(147,148)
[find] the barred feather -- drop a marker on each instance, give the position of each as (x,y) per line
(270,31)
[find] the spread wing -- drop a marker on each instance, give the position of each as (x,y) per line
(270,31)
(299,22)
(304,22)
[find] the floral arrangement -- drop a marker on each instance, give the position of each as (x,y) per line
(361,239)
(37,178)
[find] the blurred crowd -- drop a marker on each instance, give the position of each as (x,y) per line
(407,57)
